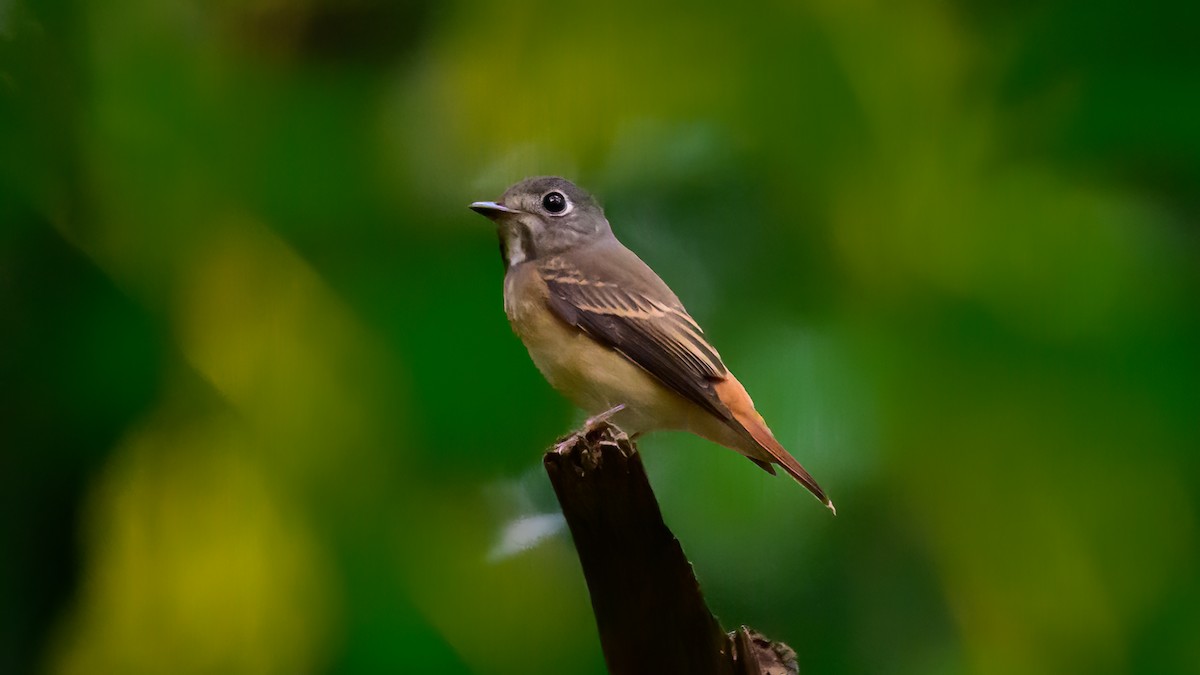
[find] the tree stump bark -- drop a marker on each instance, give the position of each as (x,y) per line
(649,610)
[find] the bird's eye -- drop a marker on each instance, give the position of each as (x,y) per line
(554,202)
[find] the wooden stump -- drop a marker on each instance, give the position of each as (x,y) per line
(649,609)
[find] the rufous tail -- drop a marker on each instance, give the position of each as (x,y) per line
(734,396)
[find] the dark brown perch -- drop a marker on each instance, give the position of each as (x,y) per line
(649,610)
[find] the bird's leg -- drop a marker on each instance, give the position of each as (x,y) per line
(589,425)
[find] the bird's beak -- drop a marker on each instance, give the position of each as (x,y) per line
(491,209)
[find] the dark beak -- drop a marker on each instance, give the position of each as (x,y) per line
(491,209)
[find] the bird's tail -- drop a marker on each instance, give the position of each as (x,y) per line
(734,396)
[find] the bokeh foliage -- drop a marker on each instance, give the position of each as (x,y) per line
(262,412)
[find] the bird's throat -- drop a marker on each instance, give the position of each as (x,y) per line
(516,243)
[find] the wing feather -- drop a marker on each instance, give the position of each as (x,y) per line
(657,335)
(638,316)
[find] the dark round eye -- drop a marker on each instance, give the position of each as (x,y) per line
(554,202)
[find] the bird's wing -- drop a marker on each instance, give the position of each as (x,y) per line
(656,333)
(631,310)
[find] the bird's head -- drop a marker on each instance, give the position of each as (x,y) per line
(544,216)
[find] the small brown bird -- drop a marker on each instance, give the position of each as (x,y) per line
(610,335)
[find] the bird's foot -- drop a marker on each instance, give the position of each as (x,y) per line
(564,446)
(589,425)
(595,421)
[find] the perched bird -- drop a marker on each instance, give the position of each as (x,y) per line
(609,334)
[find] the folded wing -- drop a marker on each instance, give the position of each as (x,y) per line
(654,331)
(656,334)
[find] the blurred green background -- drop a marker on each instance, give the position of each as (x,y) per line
(261,411)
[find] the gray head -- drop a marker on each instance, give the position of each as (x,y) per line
(543,216)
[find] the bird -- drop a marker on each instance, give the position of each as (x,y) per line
(610,335)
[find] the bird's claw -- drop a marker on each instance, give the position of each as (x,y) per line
(595,421)
(590,425)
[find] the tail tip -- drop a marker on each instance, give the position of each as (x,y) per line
(829,505)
